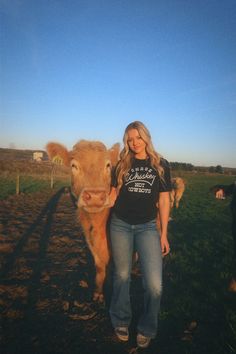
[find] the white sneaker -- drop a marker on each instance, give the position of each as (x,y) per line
(122,333)
(143,341)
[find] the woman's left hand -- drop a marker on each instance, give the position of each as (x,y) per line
(165,246)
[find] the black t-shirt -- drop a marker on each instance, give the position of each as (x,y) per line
(139,193)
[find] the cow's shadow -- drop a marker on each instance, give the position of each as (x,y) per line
(46,290)
(47,212)
(56,313)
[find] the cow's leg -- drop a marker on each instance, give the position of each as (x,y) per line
(178,197)
(177,201)
(99,267)
(99,249)
(101,258)
(172,198)
(99,280)
(101,261)
(95,233)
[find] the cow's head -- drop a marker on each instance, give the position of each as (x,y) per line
(91,164)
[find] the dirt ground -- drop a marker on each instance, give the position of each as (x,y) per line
(46,283)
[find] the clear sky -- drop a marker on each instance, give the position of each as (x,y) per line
(84,69)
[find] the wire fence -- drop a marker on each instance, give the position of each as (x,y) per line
(18,177)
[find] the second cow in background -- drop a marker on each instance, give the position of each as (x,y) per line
(178,187)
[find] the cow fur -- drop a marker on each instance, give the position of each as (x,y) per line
(178,187)
(91,164)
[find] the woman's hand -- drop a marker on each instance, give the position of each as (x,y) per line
(165,246)
(112,196)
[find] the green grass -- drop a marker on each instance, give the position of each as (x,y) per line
(28,184)
(198,271)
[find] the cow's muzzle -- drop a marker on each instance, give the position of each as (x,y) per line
(93,199)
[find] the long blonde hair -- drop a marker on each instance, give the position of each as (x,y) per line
(127,156)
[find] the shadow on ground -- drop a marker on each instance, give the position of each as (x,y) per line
(47,277)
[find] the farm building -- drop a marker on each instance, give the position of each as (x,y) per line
(38,156)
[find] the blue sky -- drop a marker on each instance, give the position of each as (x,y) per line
(84,69)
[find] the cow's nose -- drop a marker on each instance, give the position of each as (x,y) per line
(86,196)
(94,197)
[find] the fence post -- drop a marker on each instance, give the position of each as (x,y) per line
(52,179)
(17,183)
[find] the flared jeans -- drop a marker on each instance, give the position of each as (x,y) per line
(145,239)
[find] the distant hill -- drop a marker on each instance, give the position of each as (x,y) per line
(17,154)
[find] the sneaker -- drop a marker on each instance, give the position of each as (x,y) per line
(122,333)
(143,341)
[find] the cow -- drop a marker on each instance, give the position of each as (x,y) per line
(91,166)
(178,187)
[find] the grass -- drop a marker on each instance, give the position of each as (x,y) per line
(34,177)
(198,271)
(28,184)
(198,314)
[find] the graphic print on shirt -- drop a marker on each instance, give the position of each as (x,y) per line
(140,180)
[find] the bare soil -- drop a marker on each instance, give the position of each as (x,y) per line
(46,284)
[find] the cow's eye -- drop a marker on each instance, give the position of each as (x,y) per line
(74,166)
(108,165)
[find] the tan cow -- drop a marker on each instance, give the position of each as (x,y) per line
(91,165)
(178,187)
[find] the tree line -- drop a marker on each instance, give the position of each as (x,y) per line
(182,166)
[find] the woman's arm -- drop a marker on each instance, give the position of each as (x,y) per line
(164,212)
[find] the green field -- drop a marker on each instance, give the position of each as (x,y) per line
(198,271)
(28,184)
(198,313)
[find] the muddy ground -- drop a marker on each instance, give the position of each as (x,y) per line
(46,285)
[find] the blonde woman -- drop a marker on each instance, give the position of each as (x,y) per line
(141,181)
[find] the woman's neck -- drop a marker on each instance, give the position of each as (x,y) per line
(142,156)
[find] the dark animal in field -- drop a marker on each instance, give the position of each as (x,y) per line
(91,165)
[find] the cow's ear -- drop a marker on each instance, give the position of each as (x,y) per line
(56,152)
(114,153)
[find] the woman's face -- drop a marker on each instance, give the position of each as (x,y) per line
(136,144)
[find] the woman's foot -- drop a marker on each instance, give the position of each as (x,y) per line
(122,333)
(143,341)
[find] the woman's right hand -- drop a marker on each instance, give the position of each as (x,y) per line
(112,196)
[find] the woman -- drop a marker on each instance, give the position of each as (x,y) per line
(141,181)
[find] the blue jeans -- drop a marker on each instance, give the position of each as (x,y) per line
(145,239)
